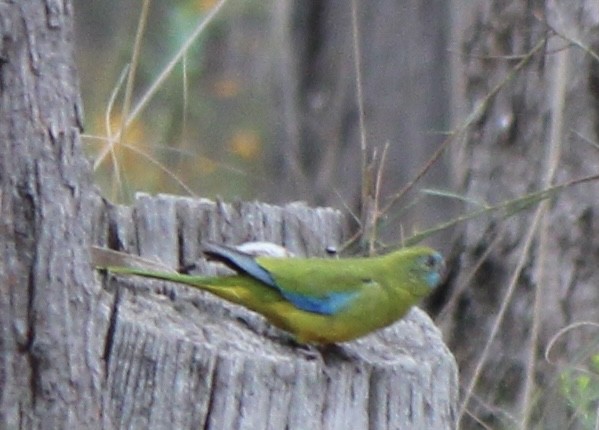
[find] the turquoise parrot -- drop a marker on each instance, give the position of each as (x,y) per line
(318,300)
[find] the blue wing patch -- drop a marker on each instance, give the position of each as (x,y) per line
(328,305)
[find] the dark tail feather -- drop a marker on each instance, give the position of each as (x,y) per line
(238,261)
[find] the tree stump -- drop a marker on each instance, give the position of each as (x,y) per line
(177,357)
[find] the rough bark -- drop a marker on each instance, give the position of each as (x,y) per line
(51,311)
(531,135)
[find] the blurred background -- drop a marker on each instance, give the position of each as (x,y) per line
(264,103)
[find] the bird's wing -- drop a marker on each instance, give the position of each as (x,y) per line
(323,286)
(320,285)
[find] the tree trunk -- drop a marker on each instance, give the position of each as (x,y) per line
(52,312)
(532,134)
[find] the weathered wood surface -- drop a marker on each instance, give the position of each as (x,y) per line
(52,318)
(180,358)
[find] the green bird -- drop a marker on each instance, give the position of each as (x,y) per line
(318,300)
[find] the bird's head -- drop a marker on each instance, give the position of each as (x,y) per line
(434,264)
(425,270)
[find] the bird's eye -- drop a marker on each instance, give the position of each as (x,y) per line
(432,261)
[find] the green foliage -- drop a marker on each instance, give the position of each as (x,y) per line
(580,389)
